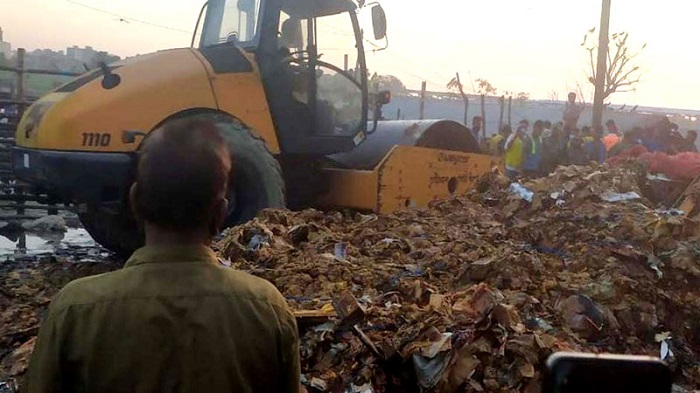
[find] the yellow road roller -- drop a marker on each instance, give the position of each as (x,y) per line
(286,82)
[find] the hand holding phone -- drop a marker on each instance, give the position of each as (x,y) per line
(575,372)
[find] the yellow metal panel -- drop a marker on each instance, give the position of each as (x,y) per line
(352,189)
(242,95)
(407,177)
(153,87)
(415,176)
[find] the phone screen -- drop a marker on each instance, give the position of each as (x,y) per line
(574,373)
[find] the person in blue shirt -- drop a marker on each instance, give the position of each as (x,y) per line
(533,151)
(594,147)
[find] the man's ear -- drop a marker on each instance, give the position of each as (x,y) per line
(220,215)
(132,200)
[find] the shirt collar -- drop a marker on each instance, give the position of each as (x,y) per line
(172,254)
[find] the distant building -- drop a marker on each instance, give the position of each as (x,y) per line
(83,55)
(5,47)
(89,56)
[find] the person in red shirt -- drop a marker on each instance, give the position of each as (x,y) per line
(613,137)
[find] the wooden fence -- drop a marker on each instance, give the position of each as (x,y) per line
(14,194)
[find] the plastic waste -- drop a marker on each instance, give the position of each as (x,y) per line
(655,265)
(541,324)
(664,339)
(617,197)
(366,388)
(522,192)
(257,242)
(340,251)
(429,371)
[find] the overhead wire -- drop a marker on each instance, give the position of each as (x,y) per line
(129,19)
(334,30)
(412,73)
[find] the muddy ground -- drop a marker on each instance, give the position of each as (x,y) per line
(37,258)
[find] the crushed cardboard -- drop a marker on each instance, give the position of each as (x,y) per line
(471,294)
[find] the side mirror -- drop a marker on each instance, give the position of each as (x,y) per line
(379,22)
(383,97)
(380,99)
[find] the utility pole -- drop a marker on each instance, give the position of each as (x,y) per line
(465,99)
(421,110)
(510,107)
(602,70)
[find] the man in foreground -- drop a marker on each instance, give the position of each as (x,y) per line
(174,319)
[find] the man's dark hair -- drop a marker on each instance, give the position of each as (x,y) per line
(610,122)
(183,169)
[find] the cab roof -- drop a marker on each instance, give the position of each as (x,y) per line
(303,9)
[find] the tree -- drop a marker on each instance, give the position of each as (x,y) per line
(485,88)
(388,82)
(554,95)
(522,97)
(456,85)
(622,74)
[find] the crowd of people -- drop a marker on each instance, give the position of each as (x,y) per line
(537,149)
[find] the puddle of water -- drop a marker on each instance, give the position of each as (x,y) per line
(33,245)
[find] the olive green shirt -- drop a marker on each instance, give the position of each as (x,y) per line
(173,320)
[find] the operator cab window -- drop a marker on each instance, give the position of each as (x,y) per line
(324,38)
(231,21)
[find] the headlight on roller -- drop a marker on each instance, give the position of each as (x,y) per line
(33,117)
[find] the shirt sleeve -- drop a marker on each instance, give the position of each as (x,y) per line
(44,374)
(509,141)
(290,380)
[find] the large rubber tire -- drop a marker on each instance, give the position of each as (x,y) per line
(257,181)
(114,229)
(257,184)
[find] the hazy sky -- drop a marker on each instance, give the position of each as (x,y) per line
(518,45)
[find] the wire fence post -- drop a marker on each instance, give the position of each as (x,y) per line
(510,106)
(19,92)
(502,101)
(483,116)
(423,87)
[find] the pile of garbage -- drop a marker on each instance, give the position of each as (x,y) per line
(474,293)
(469,295)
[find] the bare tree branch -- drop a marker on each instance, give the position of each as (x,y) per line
(622,75)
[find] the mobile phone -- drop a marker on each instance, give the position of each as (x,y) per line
(575,372)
